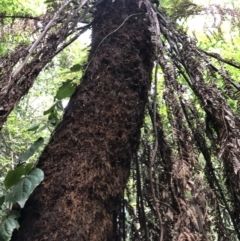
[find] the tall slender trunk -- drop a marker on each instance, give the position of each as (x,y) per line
(87,161)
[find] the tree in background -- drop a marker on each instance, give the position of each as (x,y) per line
(184,176)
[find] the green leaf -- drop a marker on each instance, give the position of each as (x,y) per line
(30,151)
(76,68)
(14,214)
(49,110)
(66,90)
(43,127)
(14,176)
(21,192)
(57,104)
(28,167)
(33,127)
(60,106)
(8,225)
(2,199)
(53,118)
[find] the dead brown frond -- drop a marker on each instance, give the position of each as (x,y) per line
(60,27)
(19,26)
(199,132)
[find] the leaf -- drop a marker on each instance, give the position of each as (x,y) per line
(75,68)
(50,109)
(13,214)
(33,127)
(60,106)
(53,118)
(43,127)
(8,225)
(28,167)
(21,192)
(66,90)
(2,199)
(48,1)
(14,176)
(30,151)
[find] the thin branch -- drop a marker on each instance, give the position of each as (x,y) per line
(139,192)
(153,157)
(49,25)
(220,72)
(219,58)
(19,16)
(82,30)
(201,143)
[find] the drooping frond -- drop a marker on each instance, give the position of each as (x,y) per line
(60,27)
(197,145)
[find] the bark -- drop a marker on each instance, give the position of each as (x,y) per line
(87,161)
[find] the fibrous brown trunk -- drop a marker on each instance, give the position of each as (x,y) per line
(87,161)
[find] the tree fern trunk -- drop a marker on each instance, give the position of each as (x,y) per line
(87,161)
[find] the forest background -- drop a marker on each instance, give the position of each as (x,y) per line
(207,199)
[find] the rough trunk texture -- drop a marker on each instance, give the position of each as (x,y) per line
(87,161)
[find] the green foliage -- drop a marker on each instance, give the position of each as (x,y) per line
(11,7)
(15,25)
(18,186)
(14,176)
(26,155)
(76,68)
(180,9)
(21,192)
(2,199)
(66,90)
(33,127)
(34,117)
(8,225)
